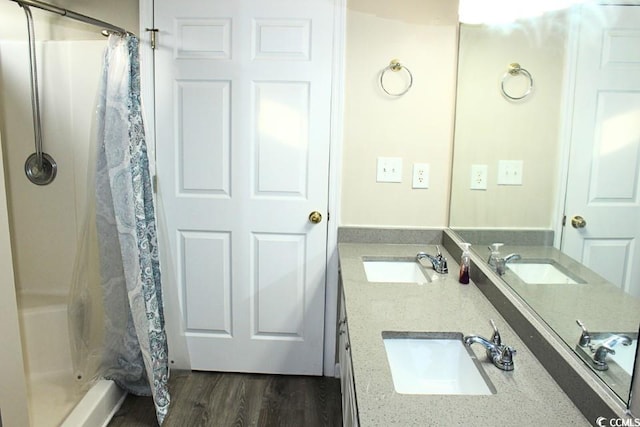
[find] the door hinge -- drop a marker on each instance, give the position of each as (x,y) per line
(328,216)
(564,220)
(153,32)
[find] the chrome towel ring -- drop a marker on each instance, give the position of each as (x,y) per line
(396,66)
(514,70)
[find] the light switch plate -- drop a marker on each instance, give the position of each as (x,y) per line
(421,175)
(510,172)
(389,169)
(479,175)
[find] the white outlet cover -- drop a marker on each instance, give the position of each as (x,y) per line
(420,175)
(479,175)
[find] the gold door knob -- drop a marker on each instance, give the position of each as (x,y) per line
(578,222)
(315,217)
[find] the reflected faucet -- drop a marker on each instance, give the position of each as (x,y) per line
(497,262)
(512,257)
(438,262)
(606,347)
(500,355)
(585,337)
(501,263)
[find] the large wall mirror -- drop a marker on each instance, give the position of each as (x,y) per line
(547,162)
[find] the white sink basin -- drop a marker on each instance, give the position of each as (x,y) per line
(400,270)
(625,356)
(434,363)
(545,273)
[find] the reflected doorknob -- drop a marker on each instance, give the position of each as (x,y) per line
(315,217)
(578,222)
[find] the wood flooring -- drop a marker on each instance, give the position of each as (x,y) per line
(203,399)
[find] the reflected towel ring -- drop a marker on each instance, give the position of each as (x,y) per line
(514,70)
(396,66)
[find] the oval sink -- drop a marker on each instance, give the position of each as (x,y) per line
(543,272)
(394,270)
(434,363)
(625,356)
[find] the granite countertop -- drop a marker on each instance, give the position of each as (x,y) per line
(599,304)
(525,396)
(602,306)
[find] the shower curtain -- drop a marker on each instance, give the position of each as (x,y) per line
(116,310)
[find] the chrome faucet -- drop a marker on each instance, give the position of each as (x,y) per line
(585,337)
(606,347)
(438,262)
(500,355)
(512,257)
(501,263)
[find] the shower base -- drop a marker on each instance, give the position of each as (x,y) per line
(54,396)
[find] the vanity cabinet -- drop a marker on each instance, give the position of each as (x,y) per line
(349,405)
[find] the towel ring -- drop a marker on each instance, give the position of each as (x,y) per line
(396,66)
(514,70)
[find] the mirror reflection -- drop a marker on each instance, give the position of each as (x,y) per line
(553,176)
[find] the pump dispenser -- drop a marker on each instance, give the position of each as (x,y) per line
(495,254)
(465,264)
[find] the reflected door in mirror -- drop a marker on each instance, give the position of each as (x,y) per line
(603,185)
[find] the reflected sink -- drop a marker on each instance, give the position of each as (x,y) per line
(394,270)
(625,356)
(434,363)
(544,272)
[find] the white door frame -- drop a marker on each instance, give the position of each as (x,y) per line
(335,163)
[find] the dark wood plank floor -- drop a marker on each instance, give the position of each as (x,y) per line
(229,399)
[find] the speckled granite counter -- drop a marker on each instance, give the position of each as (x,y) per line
(595,301)
(602,306)
(528,396)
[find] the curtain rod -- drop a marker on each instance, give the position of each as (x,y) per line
(71,14)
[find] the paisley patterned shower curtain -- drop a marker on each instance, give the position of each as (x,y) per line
(135,356)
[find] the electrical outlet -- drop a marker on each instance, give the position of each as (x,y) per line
(510,172)
(389,169)
(421,175)
(479,177)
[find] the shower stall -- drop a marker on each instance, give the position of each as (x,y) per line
(43,225)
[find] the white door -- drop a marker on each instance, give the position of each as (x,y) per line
(603,186)
(243,90)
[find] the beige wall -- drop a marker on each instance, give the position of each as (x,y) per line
(416,127)
(13,393)
(490,128)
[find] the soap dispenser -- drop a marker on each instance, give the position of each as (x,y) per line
(495,254)
(465,264)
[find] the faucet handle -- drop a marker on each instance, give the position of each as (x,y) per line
(585,337)
(504,358)
(600,358)
(443,265)
(507,354)
(495,338)
(495,247)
